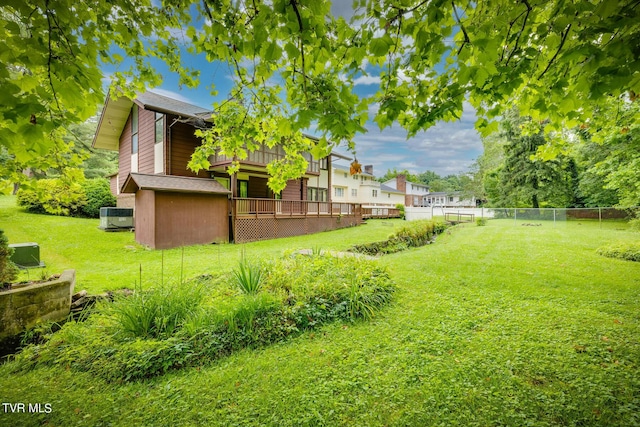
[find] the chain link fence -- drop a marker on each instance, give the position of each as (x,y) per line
(553,216)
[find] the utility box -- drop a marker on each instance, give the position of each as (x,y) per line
(112,219)
(26,255)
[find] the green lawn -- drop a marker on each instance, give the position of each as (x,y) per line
(113,260)
(497,325)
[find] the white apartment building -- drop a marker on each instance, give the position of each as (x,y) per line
(413,192)
(362,188)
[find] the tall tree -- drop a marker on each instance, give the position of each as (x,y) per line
(524,180)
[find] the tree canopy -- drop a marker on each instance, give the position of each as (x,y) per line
(295,64)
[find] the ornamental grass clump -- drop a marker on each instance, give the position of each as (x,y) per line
(248,276)
(157,312)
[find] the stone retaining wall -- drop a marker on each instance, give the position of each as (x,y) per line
(24,306)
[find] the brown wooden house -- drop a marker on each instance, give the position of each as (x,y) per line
(155,137)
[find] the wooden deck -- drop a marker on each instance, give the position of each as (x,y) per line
(262,219)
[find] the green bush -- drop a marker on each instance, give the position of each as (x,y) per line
(626,251)
(8,270)
(153,332)
(70,195)
(28,199)
(413,234)
(98,194)
(481,222)
(400,208)
(56,196)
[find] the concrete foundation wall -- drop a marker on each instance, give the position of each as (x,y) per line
(24,306)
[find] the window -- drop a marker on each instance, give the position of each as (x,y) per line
(374,193)
(388,195)
(354,192)
(134,129)
(355,177)
(324,163)
(345,174)
(339,192)
(243,188)
(159,127)
(450,199)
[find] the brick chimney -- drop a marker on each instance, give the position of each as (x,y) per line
(368,169)
(401,183)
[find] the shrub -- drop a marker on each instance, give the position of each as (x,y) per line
(481,222)
(153,332)
(8,270)
(626,251)
(28,199)
(400,208)
(419,233)
(56,196)
(414,234)
(98,195)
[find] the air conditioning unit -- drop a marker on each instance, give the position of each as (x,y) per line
(26,255)
(116,219)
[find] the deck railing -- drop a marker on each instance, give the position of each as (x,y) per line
(380,212)
(271,207)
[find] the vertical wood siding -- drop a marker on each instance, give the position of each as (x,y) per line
(124,152)
(146,139)
(183,144)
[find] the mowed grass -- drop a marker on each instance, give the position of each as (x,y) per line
(498,325)
(113,260)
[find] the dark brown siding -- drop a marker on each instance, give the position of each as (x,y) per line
(144,218)
(190,219)
(257,187)
(295,190)
(182,145)
(124,157)
(146,139)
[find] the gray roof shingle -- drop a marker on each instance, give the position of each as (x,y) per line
(160,103)
(178,184)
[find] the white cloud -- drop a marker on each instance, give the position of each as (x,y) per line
(367,80)
(446,148)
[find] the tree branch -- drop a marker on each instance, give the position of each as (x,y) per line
(464,30)
(564,39)
(300,43)
(50,57)
(524,23)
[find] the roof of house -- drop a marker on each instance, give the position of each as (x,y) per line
(164,104)
(347,168)
(388,189)
(116,112)
(178,184)
(444,193)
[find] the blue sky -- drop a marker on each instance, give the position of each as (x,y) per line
(446,148)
